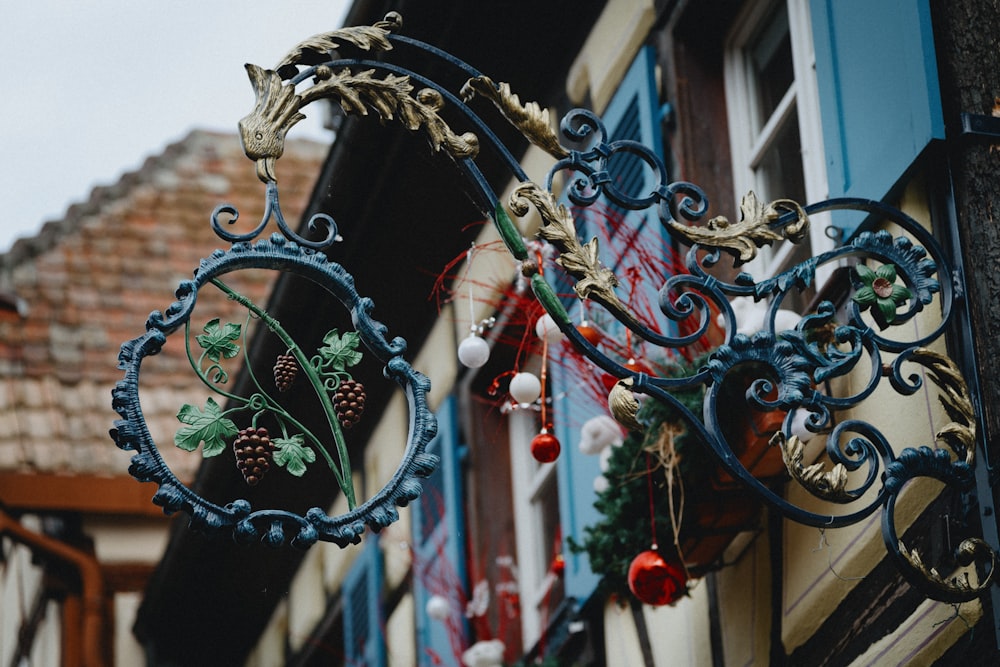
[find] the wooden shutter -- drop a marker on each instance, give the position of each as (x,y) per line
(633,113)
(438,543)
(880,102)
(364,643)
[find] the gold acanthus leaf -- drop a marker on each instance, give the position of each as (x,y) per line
(753,231)
(391,97)
(263,130)
(530,119)
(959,435)
(831,486)
(363,37)
(623,405)
(594,280)
(968,551)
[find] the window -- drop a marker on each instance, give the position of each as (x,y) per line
(361,593)
(536,506)
(438,544)
(774,122)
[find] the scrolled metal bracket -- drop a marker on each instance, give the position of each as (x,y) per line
(895,278)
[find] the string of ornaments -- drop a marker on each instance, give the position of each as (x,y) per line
(653,577)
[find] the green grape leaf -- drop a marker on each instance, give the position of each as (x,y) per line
(293,454)
(341,351)
(209,427)
(218,340)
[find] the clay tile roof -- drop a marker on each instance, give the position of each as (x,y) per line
(85,284)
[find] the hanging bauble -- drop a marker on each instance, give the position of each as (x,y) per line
(547,329)
(438,607)
(484,653)
(601,484)
(592,334)
(545,447)
(473,352)
(525,388)
(633,365)
(558,565)
(654,581)
(599,432)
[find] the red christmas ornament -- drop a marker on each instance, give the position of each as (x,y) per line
(591,333)
(633,365)
(558,565)
(654,581)
(545,447)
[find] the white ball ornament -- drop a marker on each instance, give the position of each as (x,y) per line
(547,329)
(601,484)
(473,352)
(525,388)
(599,432)
(438,608)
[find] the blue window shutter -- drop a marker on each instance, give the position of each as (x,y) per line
(633,113)
(880,102)
(364,643)
(576,474)
(439,545)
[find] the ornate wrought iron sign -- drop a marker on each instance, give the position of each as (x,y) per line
(894,276)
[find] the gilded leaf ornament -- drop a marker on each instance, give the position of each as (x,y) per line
(594,280)
(363,37)
(828,485)
(277,106)
(530,118)
(960,433)
(753,231)
(623,405)
(968,551)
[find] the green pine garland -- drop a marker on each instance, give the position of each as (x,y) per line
(624,530)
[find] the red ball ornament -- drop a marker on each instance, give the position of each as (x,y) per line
(558,565)
(633,365)
(591,333)
(654,581)
(545,447)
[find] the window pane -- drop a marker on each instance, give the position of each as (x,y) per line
(771,61)
(780,170)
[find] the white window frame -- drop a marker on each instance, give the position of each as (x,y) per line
(529,479)
(748,146)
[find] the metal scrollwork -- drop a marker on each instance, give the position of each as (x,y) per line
(840,351)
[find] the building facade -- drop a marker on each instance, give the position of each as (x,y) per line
(798,99)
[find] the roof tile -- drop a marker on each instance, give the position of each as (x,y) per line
(91,279)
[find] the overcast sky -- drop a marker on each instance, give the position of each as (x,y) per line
(89,90)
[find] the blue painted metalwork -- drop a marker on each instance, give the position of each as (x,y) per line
(274,527)
(832,341)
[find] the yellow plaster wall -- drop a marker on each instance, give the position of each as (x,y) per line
(923,637)
(678,634)
(609,50)
(820,568)
(400,631)
(745,609)
(307,599)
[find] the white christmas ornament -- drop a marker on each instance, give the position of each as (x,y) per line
(473,352)
(799,426)
(525,388)
(438,608)
(750,316)
(604,459)
(547,329)
(486,653)
(600,484)
(599,432)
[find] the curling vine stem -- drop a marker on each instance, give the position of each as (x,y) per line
(343,473)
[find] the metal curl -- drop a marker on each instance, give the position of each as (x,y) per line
(219,227)
(580,125)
